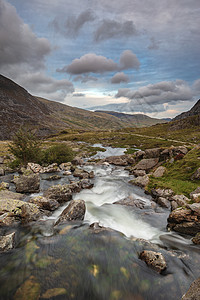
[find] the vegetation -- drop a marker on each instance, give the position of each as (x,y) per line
(25,147)
(57,154)
(178,175)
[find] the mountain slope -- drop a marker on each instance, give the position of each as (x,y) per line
(136,120)
(19,108)
(195,110)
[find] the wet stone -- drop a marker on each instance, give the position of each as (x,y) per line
(7,242)
(74,211)
(155,260)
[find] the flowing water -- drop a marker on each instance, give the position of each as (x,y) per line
(75,261)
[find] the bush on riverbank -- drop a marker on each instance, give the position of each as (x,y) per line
(59,153)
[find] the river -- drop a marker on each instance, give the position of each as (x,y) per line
(75,261)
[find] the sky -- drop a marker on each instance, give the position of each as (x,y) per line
(135,56)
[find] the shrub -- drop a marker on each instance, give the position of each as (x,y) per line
(25,147)
(58,154)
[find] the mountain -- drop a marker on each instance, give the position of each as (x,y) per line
(19,108)
(195,110)
(136,120)
(189,119)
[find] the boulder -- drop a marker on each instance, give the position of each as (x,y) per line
(155,260)
(141,181)
(122,160)
(194,291)
(50,169)
(179,200)
(20,210)
(74,211)
(165,193)
(195,195)
(83,174)
(179,150)
(131,201)
(65,166)
(5,194)
(163,202)
(159,172)
(166,154)
(27,184)
(147,164)
(196,239)
(35,168)
(77,161)
(195,207)
(4,186)
(137,173)
(152,153)
(2,172)
(60,193)
(44,203)
(185,220)
(139,155)
(7,242)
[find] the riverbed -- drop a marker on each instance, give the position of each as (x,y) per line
(77,261)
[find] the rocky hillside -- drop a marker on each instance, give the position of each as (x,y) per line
(19,108)
(195,110)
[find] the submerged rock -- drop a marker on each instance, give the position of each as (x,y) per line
(7,242)
(27,184)
(74,211)
(54,293)
(154,259)
(194,291)
(30,290)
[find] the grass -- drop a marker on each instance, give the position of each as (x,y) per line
(178,175)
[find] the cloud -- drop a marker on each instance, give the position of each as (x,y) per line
(159,93)
(196,85)
(113,29)
(85,79)
(154,45)
(78,95)
(128,60)
(92,63)
(39,84)
(72,25)
(119,77)
(18,44)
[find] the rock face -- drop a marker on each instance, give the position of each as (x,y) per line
(74,211)
(155,260)
(7,242)
(194,291)
(147,164)
(185,220)
(27,184)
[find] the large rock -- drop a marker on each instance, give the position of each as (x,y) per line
(152,153)
(155,260)
(194,291)
(36,168)
(5,194)
(137,173)
(178,200)
(139,155)
(141,181)
(131,201)
(165,193)
(147,164)
(185,220)
(74,211)
(159,172)
(7,242)
(163,202)
(44,203)
(77,161)
(20,210)
(27,184)
(83,174)
(179,150)
(60,193)
(122,160)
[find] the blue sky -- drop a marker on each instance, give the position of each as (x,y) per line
(138,55)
